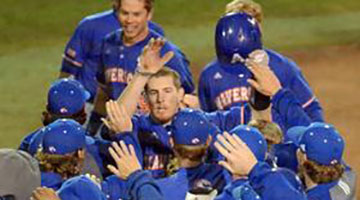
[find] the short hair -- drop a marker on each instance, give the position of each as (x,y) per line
(321,173)
(49,117)
(247,6)
(165,71)
(193,153)
(149,4)
(270,130)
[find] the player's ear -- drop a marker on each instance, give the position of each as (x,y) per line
(46,118)
(150,14)
(181,93)
(301,157)
(171,141)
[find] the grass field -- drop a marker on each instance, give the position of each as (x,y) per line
(33,35)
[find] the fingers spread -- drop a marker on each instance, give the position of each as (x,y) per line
(114,155)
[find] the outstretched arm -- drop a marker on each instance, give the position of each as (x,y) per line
(150,62)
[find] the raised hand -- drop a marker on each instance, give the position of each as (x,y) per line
(239,158)
(42,193)
(150,61)
(118,119)
(125,159)
(265,81)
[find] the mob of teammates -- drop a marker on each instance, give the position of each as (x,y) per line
(171,152)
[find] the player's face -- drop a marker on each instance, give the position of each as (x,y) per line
(164,98)
(133,18)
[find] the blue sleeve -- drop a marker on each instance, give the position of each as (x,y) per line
(180,64)
(203,93)
(227,120)
(73,57)
(303,93)
(142,186)
(115,188)
(156,27)
(288,107)
(262,179)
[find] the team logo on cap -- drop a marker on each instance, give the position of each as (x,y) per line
(52,149)
(63,110)
(195,141)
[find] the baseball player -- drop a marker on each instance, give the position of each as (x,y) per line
(66,99)
(224,82)
(119,56)
(241,159)
(62,152)
(319,156)
(82,51)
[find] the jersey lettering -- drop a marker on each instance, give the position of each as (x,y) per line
(231,96)
(117,75)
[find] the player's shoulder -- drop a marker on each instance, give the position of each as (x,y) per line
(211,68)
(279,62)
(97,18)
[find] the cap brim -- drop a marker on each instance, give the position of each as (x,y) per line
(87,95)
(294,134)
(89,140)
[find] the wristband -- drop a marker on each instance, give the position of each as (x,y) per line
(143,73)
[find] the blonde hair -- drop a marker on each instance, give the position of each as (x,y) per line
(247,6)
(165,71)
(270,130)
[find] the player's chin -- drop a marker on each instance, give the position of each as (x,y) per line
(163,117)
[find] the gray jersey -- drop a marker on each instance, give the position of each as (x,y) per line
(346,187)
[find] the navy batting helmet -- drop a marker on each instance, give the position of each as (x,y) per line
(236,36)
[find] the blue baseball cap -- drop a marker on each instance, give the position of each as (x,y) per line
(80,187)
(320,142)
(190,127)
(253,139)
(66,97)
(63,136)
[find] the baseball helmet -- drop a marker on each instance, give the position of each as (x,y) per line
(236,36)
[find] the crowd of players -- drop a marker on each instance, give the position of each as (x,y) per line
(254,130)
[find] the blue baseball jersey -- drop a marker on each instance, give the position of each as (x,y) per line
(51,180)
(118,63)
(177,185)
(239,189)
(220,89)
(81,54)
(262,178)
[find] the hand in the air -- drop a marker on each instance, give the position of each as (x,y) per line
(42,193)
(118,119)
(239,159)
(150,61)
(125,159)
(265,81)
